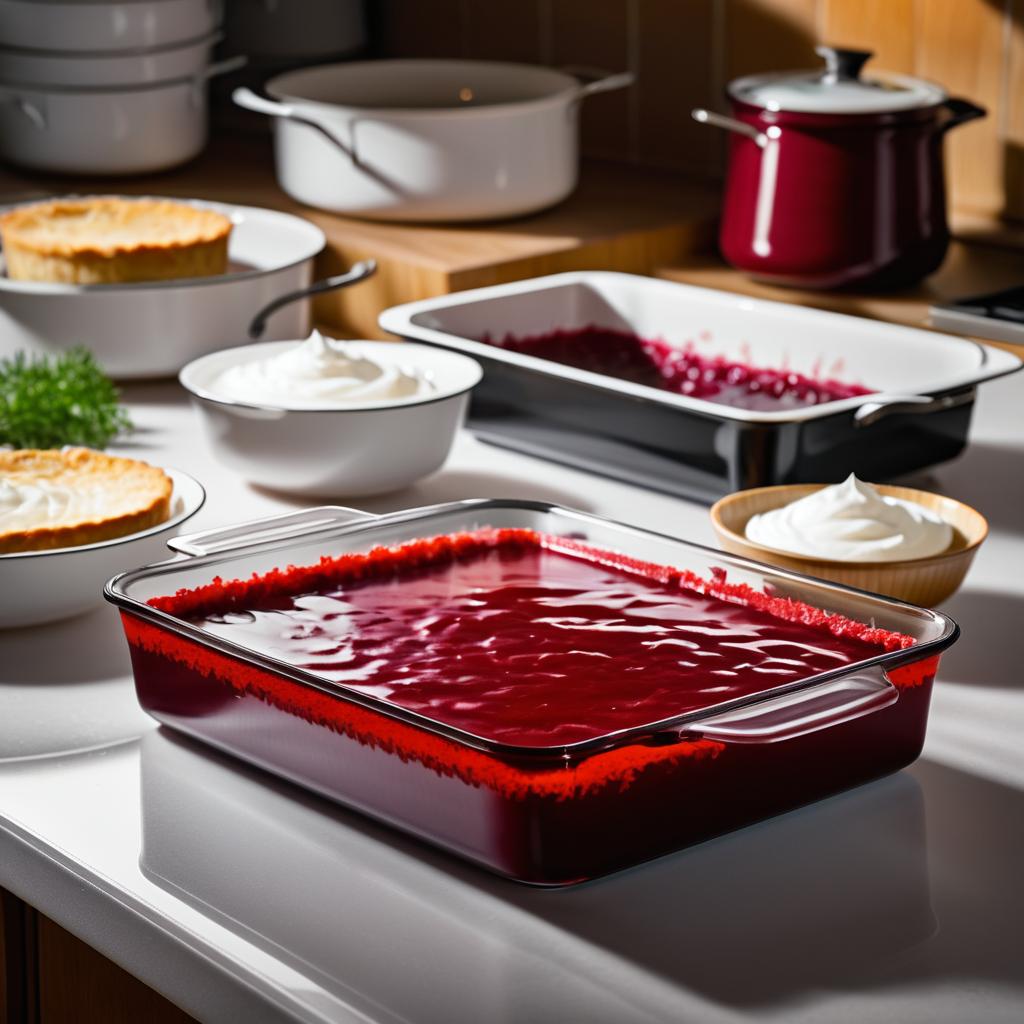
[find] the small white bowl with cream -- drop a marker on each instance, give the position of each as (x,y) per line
(327,418)
(905,543)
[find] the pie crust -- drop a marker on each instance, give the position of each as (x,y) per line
(106,240)
(62,499)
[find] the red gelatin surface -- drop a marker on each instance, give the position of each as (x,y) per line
(526,639)
(682,371)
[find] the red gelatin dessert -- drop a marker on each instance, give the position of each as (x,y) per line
(682,371)
(514,663)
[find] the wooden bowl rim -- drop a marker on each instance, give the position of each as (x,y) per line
(891,490)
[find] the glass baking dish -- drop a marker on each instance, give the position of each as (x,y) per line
(546,815)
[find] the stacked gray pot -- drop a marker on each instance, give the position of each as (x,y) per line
(104,87)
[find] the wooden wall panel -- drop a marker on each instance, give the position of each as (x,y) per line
(686,50)
(596,35)
(504,30)
(1013,143)
(414,28)
(960,44)
(884,26)
(769,35)
(676,72)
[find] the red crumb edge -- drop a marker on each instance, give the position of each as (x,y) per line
(446,757)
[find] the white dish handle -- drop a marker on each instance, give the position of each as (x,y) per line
(270,528)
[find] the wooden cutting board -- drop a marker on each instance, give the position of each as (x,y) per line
(621,217)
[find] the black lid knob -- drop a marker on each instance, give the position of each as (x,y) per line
(842,65)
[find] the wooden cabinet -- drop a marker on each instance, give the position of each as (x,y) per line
(47,976)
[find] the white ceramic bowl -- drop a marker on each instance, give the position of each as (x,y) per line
(130,67)
(104,25)
(44,586)
(351,451)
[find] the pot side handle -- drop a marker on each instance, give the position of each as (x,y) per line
(606,82)
(960,112)
(731,124)
(802,712)
(356,273)
(271,528)
(246,98)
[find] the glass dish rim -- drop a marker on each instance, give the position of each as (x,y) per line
(564,753)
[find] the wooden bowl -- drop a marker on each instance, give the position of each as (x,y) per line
(922,581)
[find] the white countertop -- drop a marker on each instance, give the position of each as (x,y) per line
(241,898)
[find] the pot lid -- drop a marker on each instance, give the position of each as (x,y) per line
(837,89)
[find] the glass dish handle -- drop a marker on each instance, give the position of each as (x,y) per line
(805,711)
(259,531)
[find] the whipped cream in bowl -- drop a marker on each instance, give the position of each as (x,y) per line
(852,522)
(322,373)
(905,543)
(324,418)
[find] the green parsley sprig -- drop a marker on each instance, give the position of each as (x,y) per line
(48,402)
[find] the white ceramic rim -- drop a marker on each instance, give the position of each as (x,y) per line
(207,39)
(399,320)
(193,497)
(472,373)
(316,241)
(929,94)
(278,87)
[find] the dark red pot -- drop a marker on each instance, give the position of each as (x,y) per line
(837,199)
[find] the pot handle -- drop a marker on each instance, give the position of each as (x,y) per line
(600,81)
(29,111)
(731,124)
(270,528)
(245,97)
(960,112)
(878,407)
(356,273)
(802,712)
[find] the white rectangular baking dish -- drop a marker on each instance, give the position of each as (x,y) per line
(920,414)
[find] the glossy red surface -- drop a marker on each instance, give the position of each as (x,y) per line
(835,201)
(525,642)
(683,371)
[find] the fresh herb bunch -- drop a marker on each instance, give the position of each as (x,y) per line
(51,402)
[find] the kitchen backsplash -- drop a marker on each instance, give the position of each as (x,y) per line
(685,51)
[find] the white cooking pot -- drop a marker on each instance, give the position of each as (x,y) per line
(153,329)
(107,130)
(105,25)
(427,140)
(122,68)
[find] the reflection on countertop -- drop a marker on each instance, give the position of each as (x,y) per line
(67,687)
(819,898)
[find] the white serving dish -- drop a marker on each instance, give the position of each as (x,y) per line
(427,140)
(354,450)
(104,25)
(919,416)
(107,130)
(154,329)
(44,586)
(902,363)
(45,68)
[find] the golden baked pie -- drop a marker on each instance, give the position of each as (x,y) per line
(62,499)
(105,240)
